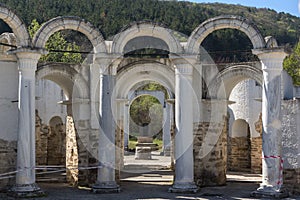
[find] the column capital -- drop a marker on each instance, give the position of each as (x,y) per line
(28,57)
(184,63)
(108,63)
(271,59)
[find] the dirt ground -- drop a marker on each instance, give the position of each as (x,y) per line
(148,190)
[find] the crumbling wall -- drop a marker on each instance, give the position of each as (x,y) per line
(256,148)
(8,159)
(210,153)
(239,158)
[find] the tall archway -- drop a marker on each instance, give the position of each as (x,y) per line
(76,90)
(222,22)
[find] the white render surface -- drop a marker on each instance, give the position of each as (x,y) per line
(48,96)
(8,101)
(246,98)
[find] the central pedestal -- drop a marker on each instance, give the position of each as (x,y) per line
(144,147)
(26,191)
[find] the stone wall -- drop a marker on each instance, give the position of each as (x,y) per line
(8,158)
(71,152)
(256,148)
(210,153)
(291,180)
(290,144)
(56,154)
(41,140)
(239,156)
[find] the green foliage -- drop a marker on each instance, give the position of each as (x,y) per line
(292,65)
(147,109)
(58,43)
(110,16)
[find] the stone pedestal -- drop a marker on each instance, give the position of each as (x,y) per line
(272,163)
(144,148)
(143,153)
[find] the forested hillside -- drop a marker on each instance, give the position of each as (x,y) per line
(110,16)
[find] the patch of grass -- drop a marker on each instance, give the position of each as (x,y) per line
(132,144)
(159,143)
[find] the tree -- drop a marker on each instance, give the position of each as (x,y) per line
(59,49)
(292,65)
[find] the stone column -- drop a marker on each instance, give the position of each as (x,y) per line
(167,130)
(271,186)
(106,151)
(184,161)
(25,177)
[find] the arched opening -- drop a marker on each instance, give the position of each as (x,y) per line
(57,142)
(245,114)
(229,46)
(51,132)
(56,86)
(239,148)
(244,138)
(148,126)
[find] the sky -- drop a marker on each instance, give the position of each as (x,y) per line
(287,6)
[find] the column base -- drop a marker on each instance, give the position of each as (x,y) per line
(106,187)
(167,151)
(184,188)
(270,192)
(26,191)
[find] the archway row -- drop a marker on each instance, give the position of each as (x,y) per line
(143,29)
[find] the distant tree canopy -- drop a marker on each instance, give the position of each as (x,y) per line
(292,65)
(110,16)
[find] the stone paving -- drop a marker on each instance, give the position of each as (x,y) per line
(154,184)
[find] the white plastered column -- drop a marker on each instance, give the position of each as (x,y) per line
(271,60)
(106,182)
(25,178)
(126,125)
(167,130)
(184,161)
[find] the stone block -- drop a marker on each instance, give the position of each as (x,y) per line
(143,153)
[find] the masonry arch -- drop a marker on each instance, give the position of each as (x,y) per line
(66,77)
(223,22)
(72,23)
(17,25)
(230,77)
(130,77)
(143,29)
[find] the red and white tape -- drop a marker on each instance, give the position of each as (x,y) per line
(280,177)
